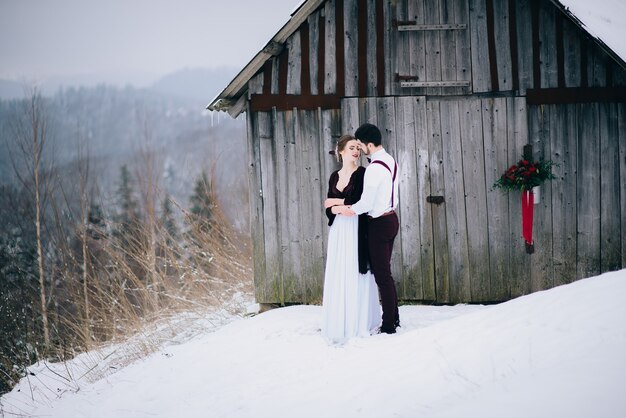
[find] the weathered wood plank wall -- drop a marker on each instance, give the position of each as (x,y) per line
(541,268)
(361,48)
(519,262)
(444,123)
(444,249)
(476,253)
(545,49)
(586,230)
(345,66)
(621,128)
(257,228)
(564,134)
(494,123)
(610,252)
(272,287)
(289,170)
(311,192)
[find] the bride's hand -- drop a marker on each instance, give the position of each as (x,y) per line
(330,202)
(342,210)
(347,211)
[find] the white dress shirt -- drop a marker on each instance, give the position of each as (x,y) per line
(376,197)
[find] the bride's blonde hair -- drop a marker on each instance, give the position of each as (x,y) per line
(341,145)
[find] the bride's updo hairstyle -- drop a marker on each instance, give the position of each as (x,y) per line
(341,145)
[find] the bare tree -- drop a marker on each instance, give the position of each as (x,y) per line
(31,133)
(83,174)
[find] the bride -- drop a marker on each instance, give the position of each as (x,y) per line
(350,302)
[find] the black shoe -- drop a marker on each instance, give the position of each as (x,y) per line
(387,330)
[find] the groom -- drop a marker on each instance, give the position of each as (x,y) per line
(379,200)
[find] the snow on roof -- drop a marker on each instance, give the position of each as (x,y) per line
(603,19)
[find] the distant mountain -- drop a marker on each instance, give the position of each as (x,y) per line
(197,84)
(119,125)
(49,86)
(137,79)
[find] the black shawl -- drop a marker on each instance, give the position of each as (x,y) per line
(351,194)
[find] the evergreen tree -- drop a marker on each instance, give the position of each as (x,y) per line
(200,224)
(20,324)
(202,198)
(128,217)
(168,221)
(96,224)
(127,202)
(202,203)
(128,230)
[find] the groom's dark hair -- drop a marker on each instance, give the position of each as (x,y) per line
(369,133)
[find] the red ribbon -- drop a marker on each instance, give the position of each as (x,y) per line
(528,201)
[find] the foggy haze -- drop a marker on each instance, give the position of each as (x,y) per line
(138,41)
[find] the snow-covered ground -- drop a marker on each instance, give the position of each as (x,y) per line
(557,353)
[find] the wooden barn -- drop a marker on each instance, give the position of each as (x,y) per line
(458,88)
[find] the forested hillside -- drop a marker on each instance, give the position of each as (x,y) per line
(113,126)
(112,208)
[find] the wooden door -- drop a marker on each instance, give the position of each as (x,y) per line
(477,246)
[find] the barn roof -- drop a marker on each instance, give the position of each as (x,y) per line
(230,99)
(603,20)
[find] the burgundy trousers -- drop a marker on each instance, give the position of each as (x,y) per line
(381,233)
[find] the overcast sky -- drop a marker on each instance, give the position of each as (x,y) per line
(43,38)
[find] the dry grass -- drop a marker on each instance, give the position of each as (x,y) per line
(200,282)
(196,283)
(133,291)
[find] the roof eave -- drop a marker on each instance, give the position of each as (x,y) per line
(239,85)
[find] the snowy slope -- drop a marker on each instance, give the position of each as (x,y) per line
(557,353)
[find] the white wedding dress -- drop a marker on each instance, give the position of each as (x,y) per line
(351,305)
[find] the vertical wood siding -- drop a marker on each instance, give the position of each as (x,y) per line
(494,122)
(255,198)
(311,191)
(482,72)
(586,229)
(330,48)
(470,247)
(445,119)
(541,267)
(272,289)
(448,142)
(354,48)
(588,200)
(621,133)
(517,137)
(289,173)
(610,253)
(564,133)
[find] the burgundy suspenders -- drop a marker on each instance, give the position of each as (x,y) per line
(393,177)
